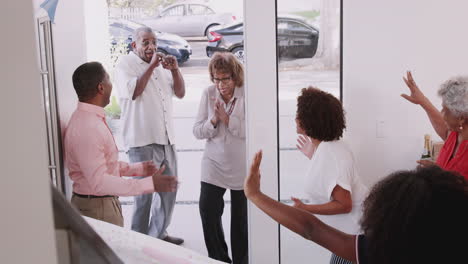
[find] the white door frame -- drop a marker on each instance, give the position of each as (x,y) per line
(262,121)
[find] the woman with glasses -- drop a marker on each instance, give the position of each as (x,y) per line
(221,121)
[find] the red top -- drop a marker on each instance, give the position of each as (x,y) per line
(459,162)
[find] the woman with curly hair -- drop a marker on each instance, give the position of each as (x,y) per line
(451,124)
(333,186)
(409,217)
(221,121)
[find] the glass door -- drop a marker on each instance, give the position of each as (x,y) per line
(309,49)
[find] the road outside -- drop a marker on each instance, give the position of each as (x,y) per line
(293,74)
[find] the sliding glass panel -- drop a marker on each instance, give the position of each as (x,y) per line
(308,39)
(192,33)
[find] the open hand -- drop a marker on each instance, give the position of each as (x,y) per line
(416,96)
(215,119)
(164,183)
(252,181)
(148,168)
(305,145)
(425,163)
(297,203)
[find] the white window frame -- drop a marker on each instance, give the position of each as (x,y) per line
(262,128)
(262,125)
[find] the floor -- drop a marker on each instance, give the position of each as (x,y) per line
(186,223)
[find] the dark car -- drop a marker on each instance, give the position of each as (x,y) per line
(296,39)
(122,31)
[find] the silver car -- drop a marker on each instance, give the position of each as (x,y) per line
(188,19)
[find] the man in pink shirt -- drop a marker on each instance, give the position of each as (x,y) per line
(92,156)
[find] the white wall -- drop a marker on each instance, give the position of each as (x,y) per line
(382,39)
(261,122)
(97,31)
(26,222)
(80,34)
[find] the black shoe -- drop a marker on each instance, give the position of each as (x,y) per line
(173,240)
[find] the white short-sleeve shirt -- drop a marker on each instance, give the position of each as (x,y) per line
(147,119)
(333,164)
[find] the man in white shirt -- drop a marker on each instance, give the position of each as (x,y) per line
(146,81)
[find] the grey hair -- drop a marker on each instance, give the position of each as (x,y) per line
(454,93)
(136,33)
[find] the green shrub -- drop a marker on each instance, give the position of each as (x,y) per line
(113,109)
(309,15)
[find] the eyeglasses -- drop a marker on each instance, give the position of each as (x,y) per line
(222,80)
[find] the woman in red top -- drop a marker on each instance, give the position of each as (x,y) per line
(451,124)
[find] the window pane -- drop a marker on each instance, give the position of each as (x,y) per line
(197,10)
(175,11)
(308,34)
(193,61)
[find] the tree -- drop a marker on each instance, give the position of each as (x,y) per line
(149,7)
(139,3)
(328,52)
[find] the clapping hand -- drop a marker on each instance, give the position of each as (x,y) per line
(416,96)
(220,112)
(169,62)
(306,146)
(252,181)
(215,119)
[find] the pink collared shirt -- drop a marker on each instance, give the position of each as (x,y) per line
(92,157)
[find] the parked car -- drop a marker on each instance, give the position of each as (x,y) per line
(296,39)
(188,19)
(122,30)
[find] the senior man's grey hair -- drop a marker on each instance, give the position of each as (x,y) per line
(136,33)
(454,93)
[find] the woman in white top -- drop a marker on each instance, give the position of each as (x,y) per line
(221,121)
(332,182)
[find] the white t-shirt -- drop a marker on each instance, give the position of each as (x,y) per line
(333,164)
(147,119)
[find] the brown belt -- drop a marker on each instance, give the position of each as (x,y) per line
(92,196)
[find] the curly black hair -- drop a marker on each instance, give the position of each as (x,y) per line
(320,114)
(416,217)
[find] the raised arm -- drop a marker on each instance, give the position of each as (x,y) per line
(296,220)
(143,79)
(417,97)
(170,63)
